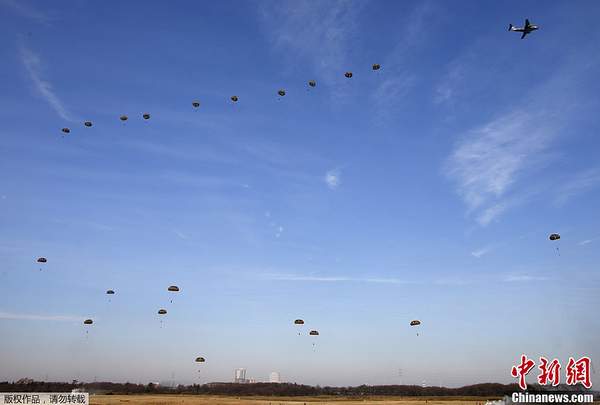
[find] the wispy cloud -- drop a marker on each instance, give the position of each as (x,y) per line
(399,76)
(33,65)
(578,184)
(585,242)
(333,178)
(521,278)
(315,31)
(488,160)
(23,9)
(480,252)
(332,279)
(38,317)
(180,234)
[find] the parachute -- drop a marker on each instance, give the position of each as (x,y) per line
(87,322)
(199,360)
(376,66)
(66,130)
(416,322)
(312,83)
(196,104)
(88,123)
(234,99)
(146,116)
(162,312)
(553,237)
(123,118)
(110,292)
(314,333)
(173,288)
(281,92)
(42,260)
(299,323)
(348,74)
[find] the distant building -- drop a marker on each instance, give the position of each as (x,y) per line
(274,377)
(240,376)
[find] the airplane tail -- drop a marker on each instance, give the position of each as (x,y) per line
(510,27)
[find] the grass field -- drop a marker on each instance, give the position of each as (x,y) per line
(230,400)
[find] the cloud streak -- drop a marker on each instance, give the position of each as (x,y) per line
(333,178)
(523,278)
(33,66)
(332,279)
(317,32)
(580,183)
(38,317)
(480,252)
(488,160)
(25,10)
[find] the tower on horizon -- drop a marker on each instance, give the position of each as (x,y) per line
(240,375)
(274,377)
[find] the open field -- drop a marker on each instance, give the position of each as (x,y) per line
(231,400)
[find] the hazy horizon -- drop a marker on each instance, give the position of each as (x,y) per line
(424,190)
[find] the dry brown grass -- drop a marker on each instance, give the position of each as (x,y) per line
(230,400)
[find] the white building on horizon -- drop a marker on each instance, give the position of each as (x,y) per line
(240,376)
(274,377)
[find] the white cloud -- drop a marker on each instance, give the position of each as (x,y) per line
(523,278)
(180,234)
(333,178)
(318,32)
(294,277)
(36,317)
(33,66)
(585,242)
(480,252)
(25,10)
(578,184)
(487,161)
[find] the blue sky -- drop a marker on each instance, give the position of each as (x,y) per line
(426,190)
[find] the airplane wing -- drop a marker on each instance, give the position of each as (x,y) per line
(524,33)
(527,23)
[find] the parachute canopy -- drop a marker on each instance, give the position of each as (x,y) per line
(200,360)
(415,322)
(88,322)
(66,130)
(146,116)
(234,99)
(554,236)
(162,311)
(281,92)
(312,83)
(88,123)
(42,260)
(298,322)
(348,74)
(376,66)
(123,118)
(173,288)
(196,104)
(110,292)
(314,333)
